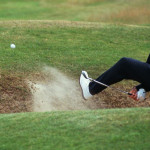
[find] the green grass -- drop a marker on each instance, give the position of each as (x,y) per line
(114,129)
(69,46)
(121,11)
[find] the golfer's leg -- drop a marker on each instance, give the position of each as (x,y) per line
(125,68)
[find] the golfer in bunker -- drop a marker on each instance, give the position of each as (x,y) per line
(125,68)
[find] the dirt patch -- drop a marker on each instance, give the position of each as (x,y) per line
(15,95)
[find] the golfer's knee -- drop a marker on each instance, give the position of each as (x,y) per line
(123,63)
(124,60)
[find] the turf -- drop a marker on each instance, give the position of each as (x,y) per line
(69,46)
(99,129)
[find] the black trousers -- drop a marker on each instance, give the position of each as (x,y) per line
(125,68)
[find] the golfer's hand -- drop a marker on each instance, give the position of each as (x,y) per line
(134,94)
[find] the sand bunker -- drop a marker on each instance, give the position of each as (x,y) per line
(58,92)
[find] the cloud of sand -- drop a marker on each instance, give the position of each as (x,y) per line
(58,92)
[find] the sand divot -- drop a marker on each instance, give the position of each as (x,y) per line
(57,92)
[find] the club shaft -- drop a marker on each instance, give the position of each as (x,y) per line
(109,86)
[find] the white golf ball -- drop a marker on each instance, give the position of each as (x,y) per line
(12,45)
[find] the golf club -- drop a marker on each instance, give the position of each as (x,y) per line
(116,89)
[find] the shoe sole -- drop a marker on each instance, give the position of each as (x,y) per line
(81,89)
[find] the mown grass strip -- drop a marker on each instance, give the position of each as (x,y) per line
(98,129)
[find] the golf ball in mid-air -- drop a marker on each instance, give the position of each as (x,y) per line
(12,45)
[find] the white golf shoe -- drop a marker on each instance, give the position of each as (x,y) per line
(84,83)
